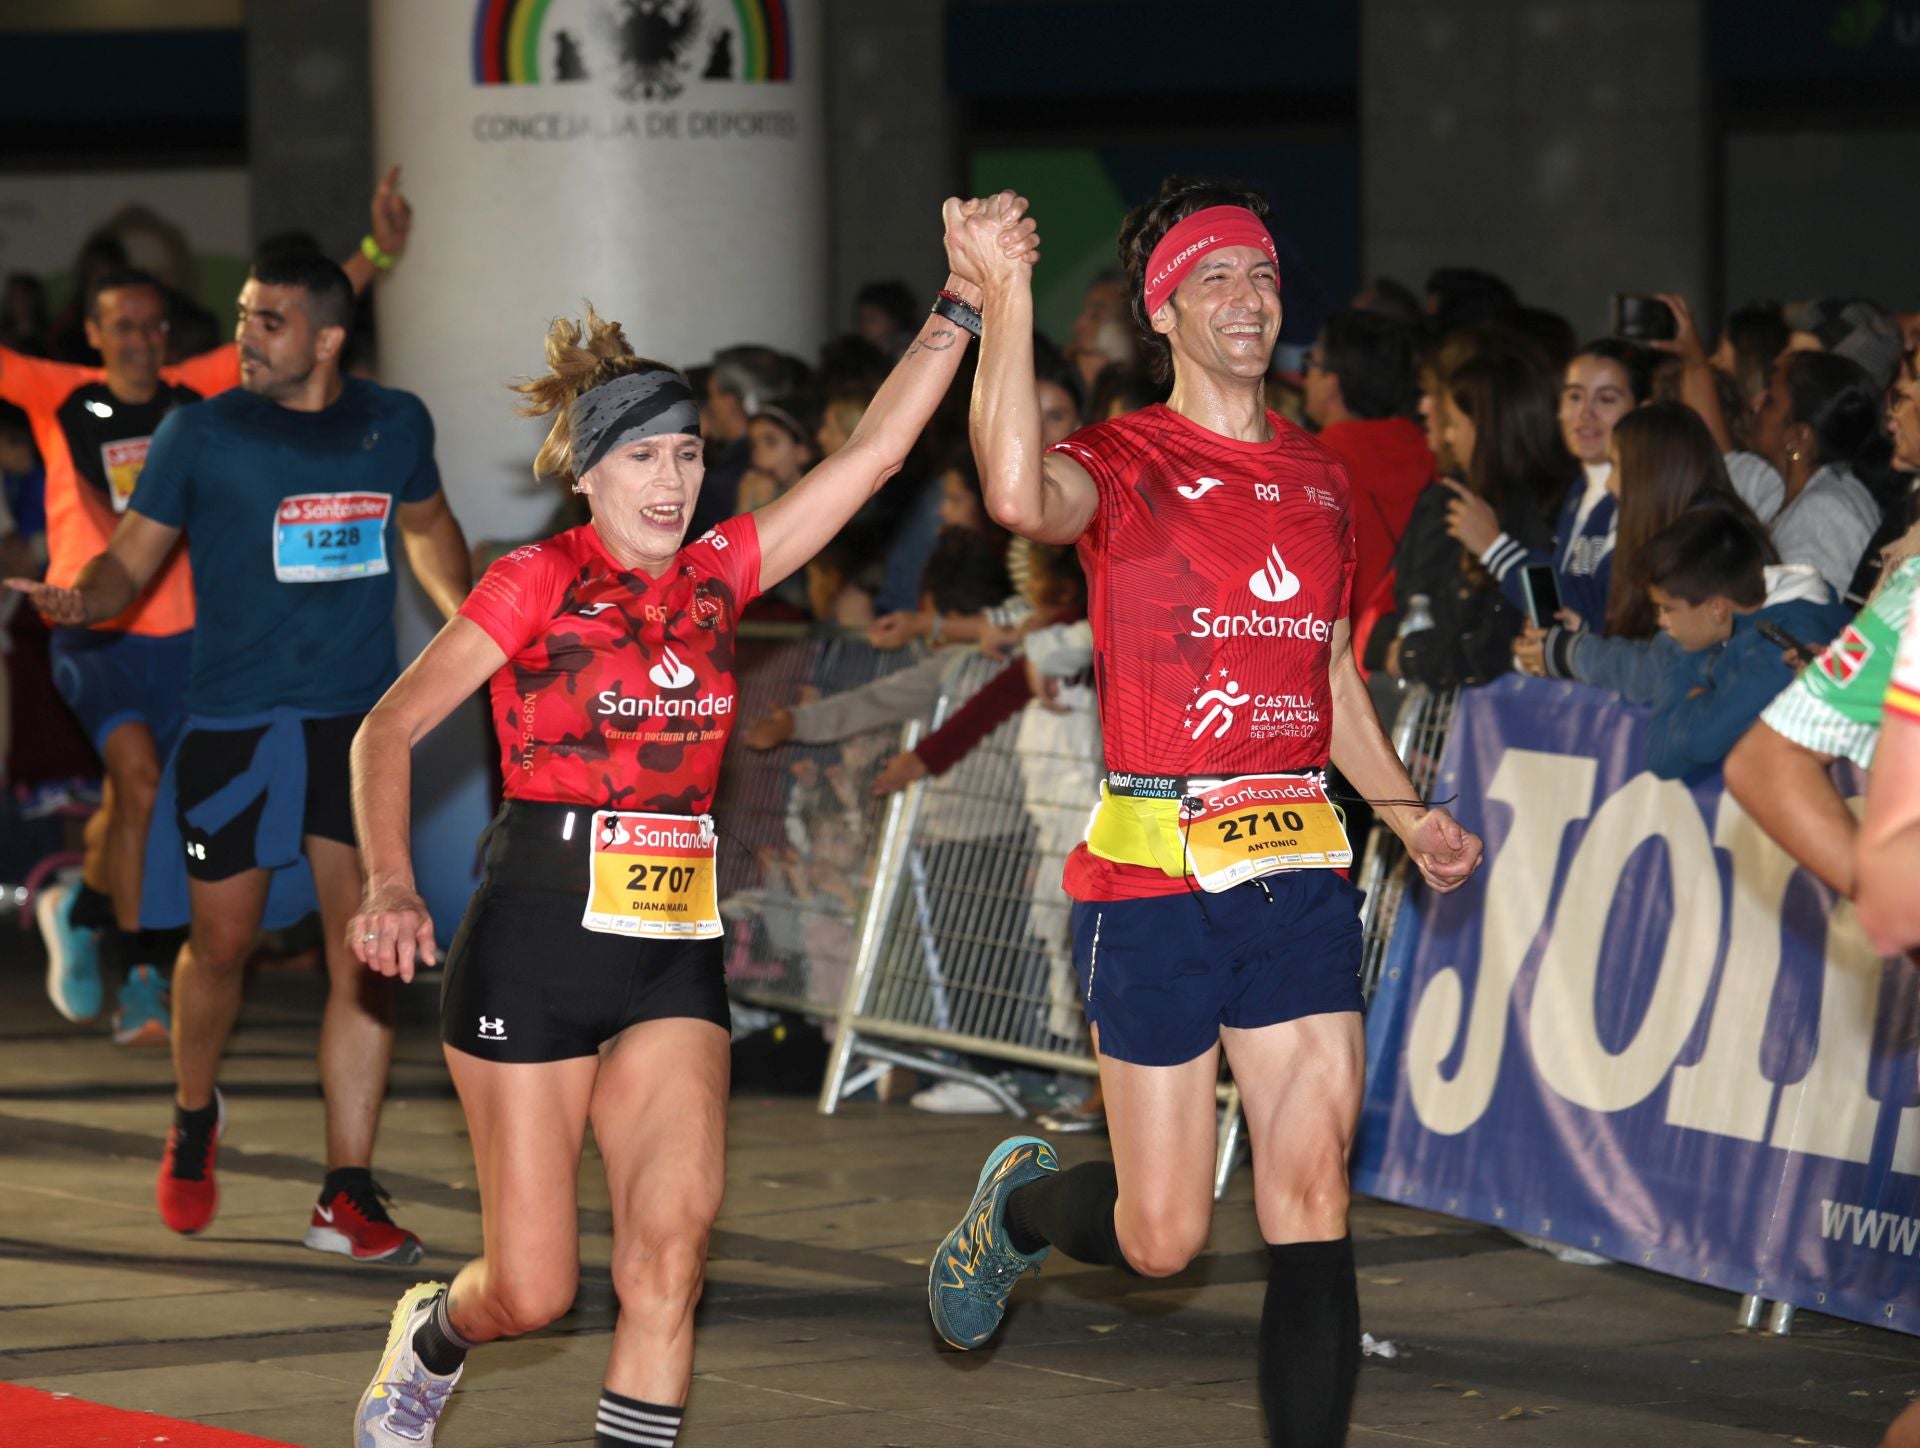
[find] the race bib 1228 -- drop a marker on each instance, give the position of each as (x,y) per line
(328,537)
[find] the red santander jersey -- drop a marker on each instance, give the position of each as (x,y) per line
(1216,570)
(618,690)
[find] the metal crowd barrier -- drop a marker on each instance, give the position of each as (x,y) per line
(966,947)
(1419,736)
(798,823)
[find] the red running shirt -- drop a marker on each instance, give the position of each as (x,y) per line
(1216,571)
(618,689)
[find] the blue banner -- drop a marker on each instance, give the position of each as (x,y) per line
(1642,1031)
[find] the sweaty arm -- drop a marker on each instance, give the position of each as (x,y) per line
(460,660)
(795,527)
(1446,853)
(437,551)
(1047,497)
(111,580)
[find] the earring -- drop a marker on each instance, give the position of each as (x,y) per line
(578,489)
(1793,456)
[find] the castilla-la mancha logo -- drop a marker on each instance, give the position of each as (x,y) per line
(643,50)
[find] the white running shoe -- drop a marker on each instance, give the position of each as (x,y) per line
(404,1401)
(958,1098)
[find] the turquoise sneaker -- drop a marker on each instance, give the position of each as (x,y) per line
(73,954)
(140,1017)
(976,1266)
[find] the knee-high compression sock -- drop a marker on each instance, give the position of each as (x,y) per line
(159,948)
(92,909)
(624,1422)
(1071,1210)
(1309,1343)
(119,953)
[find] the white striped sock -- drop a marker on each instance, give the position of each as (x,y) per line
(624,1420)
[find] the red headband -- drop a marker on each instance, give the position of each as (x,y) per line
(1193,238)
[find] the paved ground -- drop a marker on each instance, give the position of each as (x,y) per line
(814,1327)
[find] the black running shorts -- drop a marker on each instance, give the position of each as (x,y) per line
(211,758)
(526,981)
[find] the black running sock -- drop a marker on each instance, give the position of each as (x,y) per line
(345,1179)
(92,909)
(1309,1343)
(119,952)
(195,1139)
(438,1344)
(623,1422)
(200,1121)
(159,949)
(1071,1210)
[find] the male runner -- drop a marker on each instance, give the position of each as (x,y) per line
(124,676)
(293,493)
(1218,546)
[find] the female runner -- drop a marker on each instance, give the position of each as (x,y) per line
(584,984)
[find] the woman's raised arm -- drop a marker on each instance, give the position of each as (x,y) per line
(797,526)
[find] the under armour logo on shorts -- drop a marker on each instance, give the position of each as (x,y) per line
(495,1029)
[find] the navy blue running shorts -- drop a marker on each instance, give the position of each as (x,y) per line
(526,981)
(1161,976)
(109,678)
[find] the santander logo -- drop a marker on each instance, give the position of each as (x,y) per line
(1274,582)
(670,672)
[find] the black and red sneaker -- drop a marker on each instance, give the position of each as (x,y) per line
(185,1189)
(353,1221)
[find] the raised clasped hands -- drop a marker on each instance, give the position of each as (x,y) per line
(989,238)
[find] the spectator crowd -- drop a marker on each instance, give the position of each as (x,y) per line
(1683,518)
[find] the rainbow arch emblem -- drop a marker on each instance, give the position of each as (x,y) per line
(508,37)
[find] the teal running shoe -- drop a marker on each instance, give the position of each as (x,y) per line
(976,1266)
(140,1018)
(73,954)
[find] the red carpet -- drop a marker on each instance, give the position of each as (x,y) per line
(31,1417)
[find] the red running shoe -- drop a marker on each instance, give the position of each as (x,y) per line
(186,1190)
(354,1223)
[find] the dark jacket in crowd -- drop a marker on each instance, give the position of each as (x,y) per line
(1705,701)
(1581,556)
(1475,624)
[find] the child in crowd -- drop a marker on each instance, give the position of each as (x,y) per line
(1731,620)
(782,446)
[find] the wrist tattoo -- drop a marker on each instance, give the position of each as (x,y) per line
(938,341)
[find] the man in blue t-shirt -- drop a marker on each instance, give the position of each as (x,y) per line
(295,492)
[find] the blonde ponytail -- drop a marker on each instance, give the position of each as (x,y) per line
(580,357)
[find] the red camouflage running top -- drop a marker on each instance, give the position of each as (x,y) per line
(618,689)
(1216,571)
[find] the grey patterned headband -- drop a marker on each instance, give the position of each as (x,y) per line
(653,403)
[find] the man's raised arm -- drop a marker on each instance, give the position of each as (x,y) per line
(1048,498)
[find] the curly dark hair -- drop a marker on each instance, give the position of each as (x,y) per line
(1140,233)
